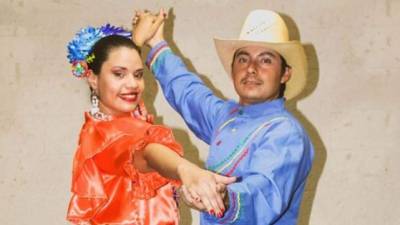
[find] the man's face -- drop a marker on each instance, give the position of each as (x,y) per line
(257,74)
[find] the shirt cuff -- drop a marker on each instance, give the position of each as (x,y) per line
(155,52)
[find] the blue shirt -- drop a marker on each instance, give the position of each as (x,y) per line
(261,144)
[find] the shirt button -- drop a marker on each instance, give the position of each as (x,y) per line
(233,130)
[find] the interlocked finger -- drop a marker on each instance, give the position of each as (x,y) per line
(215,199)
(186,196)
(201,195)
(190,200)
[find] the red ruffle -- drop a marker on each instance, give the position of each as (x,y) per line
(105,155)
(146,184)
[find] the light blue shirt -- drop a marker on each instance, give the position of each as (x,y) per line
(261,144)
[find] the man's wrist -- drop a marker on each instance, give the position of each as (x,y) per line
(226,200)
(153,43)
(155,51)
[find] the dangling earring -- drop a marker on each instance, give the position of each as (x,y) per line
(95,111)
(95,103)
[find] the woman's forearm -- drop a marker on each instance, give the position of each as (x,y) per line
(165,161)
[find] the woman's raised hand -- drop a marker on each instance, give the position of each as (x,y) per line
(147,28)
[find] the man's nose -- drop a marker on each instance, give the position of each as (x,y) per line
(252,67)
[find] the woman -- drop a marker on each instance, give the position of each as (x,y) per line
(125,169)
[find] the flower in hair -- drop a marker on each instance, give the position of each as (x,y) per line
(81,45)
(90,58)
(80,69)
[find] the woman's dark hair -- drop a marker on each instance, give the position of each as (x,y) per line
(102,48)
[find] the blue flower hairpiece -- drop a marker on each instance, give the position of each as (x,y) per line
(80,46)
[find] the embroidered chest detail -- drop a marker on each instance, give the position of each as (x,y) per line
(239,152)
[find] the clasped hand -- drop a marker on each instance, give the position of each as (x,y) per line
(204,190)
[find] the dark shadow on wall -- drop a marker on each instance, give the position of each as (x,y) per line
(168,36)
(191,154)
(191,151)
(319,147)
(181,135)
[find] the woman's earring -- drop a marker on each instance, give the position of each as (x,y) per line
(95,103)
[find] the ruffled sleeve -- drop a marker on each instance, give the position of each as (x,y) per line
(106,150)
(147,184)
(88,194)
(164,136)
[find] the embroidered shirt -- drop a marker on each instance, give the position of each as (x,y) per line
(261,144)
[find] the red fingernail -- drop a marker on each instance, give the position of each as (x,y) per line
(211,212)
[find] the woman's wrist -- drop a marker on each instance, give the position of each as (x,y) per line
(185,169)
(182,169)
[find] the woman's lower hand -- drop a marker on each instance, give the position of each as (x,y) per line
(204,190)
(189,200)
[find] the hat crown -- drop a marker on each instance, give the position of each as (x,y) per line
(265,26)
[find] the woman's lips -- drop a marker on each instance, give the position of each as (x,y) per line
(131,97)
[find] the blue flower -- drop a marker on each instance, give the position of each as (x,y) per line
(80,46)
(111,30)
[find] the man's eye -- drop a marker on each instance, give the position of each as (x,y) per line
(242,60)
(266,60)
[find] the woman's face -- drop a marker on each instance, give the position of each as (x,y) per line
(120,83)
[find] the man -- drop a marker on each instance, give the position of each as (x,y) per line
(256,139)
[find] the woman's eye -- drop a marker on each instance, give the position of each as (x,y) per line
(138,75)
(119,74)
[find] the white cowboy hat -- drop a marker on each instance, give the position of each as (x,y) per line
(266,28)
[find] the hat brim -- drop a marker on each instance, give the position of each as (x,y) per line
(292,51)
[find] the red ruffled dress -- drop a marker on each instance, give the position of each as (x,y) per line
(107,188)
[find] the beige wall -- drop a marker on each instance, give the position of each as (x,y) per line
(351,107)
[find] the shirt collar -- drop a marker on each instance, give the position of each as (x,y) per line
(259,109)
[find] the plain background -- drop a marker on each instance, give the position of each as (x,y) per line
(350,107)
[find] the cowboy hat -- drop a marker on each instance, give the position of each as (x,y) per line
(267,29)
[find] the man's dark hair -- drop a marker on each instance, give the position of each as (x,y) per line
(284,66)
